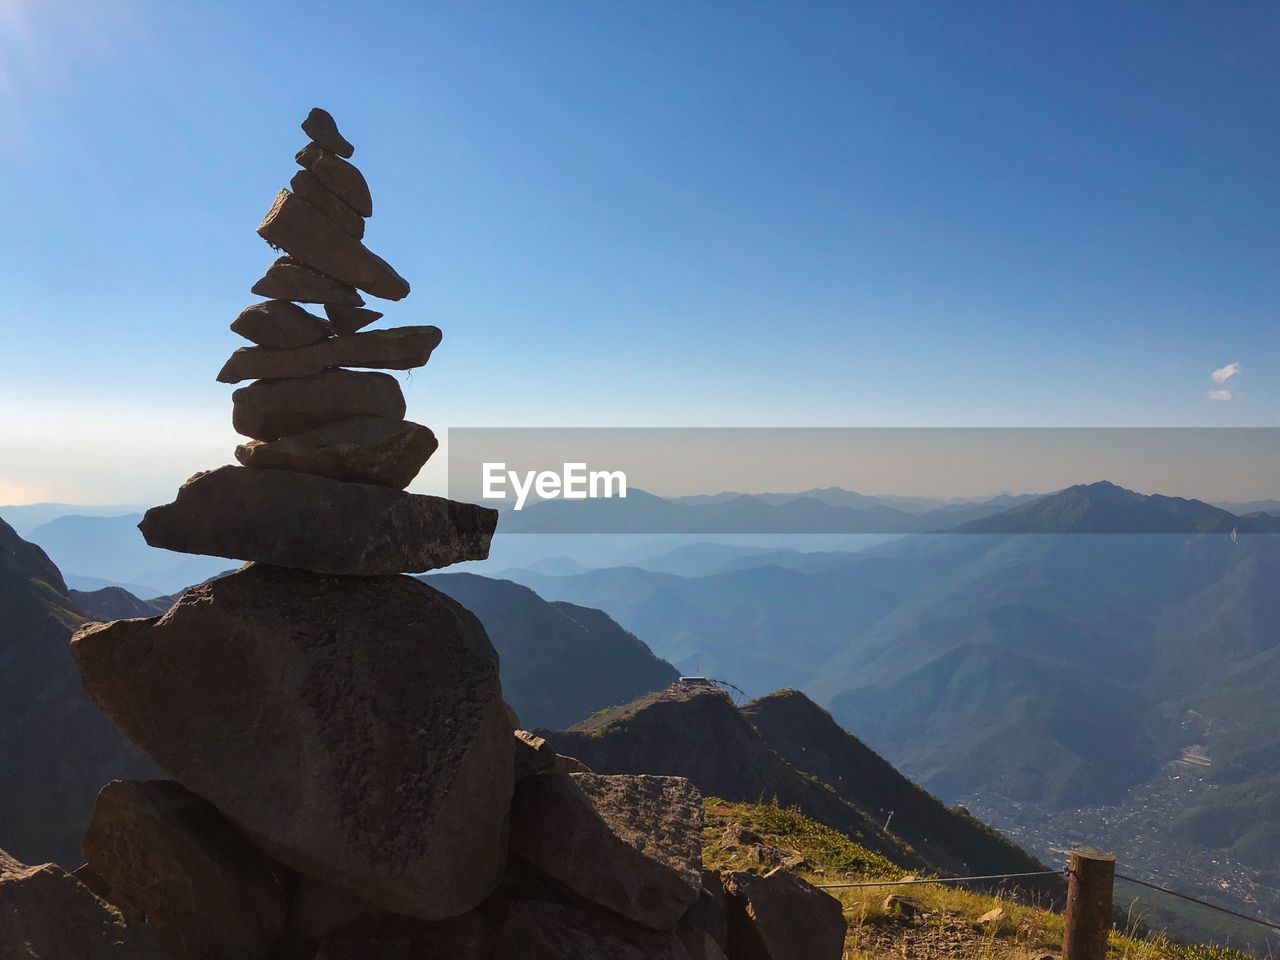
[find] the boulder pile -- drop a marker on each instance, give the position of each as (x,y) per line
(347,781)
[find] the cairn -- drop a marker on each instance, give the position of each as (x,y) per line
(347,781)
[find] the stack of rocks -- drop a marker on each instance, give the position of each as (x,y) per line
(347,780)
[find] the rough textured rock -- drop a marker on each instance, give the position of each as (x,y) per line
(352,727)
(401,348)
(46,914)
(312,239)
(347,320)
(628,843)
(308,186)
(533,754)
(286,279)
(313,523)
(358,450)
(338,176)
(705,920)
(171,857)
(568,765)
(780,916)
(272,409)
(323,129)
(280,324)
(541,930)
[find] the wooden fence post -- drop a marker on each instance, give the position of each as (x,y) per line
(1088,915)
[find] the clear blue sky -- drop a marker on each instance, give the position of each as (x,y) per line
(662,213)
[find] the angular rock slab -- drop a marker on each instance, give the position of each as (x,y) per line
(313,523)
(170,856)
(339,176)
(323,129)
(541,930)
(359,450)
(401,348)
(46,914)
(312,239)
(271,409)
(632,844)
(347,320)
(351,726)
(286,279)
(280,324)
(780,916)
(307,186)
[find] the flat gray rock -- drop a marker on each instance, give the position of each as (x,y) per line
(400,348)
(351,727)
(271,409)
(172,858)
(347,320)
(287,279)
(312,239)
(323,129)
(313,523)
(308,186)
(358,450)
(632,844)
(280,324)
(339,176)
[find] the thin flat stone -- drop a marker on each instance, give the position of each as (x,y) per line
(401,348)
(289,280)
(357,450)
(310,238)
(339,176)
(280,324)
(308,186)
(312,523)
(347,320)
(271,409)
(323,129)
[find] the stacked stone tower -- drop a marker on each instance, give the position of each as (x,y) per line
(347,782)
(330,453)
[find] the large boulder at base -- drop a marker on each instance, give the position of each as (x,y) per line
(311,238)
(359,450)
(172,858)
(339,176)
(271,409)
(313,523)
(323,129)
(704,924)
(365,948)
(351,726)
(632,844)
(780,916)
(46,914)
(281,325)
(541,930)
(287,279)
(400,348)
(307,185)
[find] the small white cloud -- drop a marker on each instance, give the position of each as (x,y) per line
(1219,394)
(1223,374)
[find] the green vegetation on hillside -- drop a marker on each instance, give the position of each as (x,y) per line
(949,919)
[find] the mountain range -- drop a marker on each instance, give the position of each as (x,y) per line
(1048,669)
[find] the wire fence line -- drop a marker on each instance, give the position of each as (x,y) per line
(914,880)
(1204,903)
(1047,873)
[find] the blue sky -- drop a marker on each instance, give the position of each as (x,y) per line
(652,213)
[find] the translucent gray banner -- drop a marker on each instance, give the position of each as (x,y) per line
(865,480)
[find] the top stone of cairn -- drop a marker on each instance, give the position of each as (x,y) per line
(323,130)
